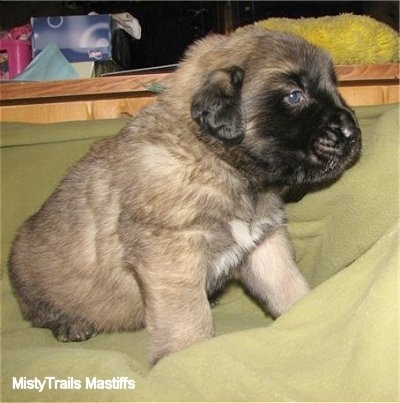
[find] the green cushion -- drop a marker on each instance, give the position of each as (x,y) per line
(339,343)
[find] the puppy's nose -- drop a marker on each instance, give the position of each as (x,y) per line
(345,124)
(350,132)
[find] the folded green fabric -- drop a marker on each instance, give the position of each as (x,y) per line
(340,343)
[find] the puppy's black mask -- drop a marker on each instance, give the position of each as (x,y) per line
(286,127)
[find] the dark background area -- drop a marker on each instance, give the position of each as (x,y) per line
(168,27)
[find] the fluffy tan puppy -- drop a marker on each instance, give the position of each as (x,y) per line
(153,221)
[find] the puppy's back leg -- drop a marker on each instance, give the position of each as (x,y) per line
(44,315)
(272,275)
(76,304)
(63,328)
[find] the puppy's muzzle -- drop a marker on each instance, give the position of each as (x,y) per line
(340,139)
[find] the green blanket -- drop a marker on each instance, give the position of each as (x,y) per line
(340,343)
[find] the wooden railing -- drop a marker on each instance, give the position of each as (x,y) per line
(117,96)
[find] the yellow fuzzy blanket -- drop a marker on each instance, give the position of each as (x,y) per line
(351,39)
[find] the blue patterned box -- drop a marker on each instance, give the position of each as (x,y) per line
(79,37)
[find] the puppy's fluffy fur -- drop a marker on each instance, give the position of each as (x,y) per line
(152,222)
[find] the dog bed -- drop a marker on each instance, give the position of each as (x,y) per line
(349,38)
(340,343)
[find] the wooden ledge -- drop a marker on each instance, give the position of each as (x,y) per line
(120,86)
(77,88)
(368,72)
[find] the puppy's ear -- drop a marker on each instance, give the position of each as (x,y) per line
(217,106)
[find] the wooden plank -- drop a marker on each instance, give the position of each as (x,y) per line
(73,110)
(118,85)
(32,91)
(115,108)
(47,112)
(362,72)
(129,107)
(370,94)
(113,97)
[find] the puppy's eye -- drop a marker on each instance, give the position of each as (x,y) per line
(294,97)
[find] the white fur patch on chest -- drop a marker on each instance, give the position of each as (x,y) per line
(243,235)
(246,238)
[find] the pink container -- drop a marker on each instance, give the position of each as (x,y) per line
(18,53)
